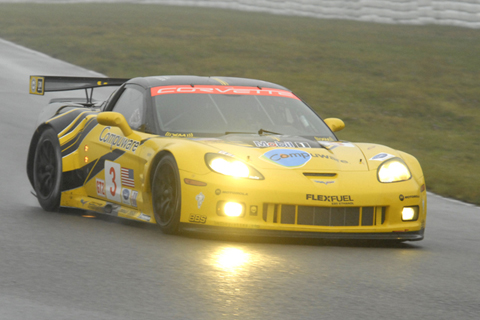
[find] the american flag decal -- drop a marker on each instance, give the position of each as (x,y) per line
(127,178)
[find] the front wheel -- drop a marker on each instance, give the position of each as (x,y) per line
(166,195)
(47,171)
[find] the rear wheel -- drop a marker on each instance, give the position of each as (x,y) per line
(166,195)
(47,171)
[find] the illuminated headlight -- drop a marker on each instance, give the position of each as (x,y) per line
(230,166)
(393,170)
(230,209)
(410,213)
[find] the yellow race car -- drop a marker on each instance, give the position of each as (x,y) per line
(218,154)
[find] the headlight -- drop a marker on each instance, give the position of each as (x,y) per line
(230,209)
(230,166)
(393,170)
(410,213)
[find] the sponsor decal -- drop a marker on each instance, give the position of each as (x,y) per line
(101,188)
(402,197)
(133,198)
(323,139)
(127,212)
(118,141)
(179,135)
(290,158)
(236,90)
(126,196)
(127,178)
(197,218)
(200,197)
(323,156)
(324,182)
(235,192)
(302,145)
(95,206)
(83,202)
(341,199)
(274,144)
(281,144)
(218,191)
(382,156)
(144,217)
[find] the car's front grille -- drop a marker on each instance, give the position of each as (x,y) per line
(324,216)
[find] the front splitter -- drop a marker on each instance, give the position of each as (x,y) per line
(397,236)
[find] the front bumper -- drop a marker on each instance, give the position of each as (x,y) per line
(354,205)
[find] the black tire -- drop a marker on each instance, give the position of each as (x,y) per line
(47,171)
(166,195)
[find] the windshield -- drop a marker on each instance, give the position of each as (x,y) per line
(232,113)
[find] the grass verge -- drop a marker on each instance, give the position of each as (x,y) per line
(414,88)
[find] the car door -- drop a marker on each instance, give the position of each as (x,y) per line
(118,170)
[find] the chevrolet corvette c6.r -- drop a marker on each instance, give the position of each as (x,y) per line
(218,154)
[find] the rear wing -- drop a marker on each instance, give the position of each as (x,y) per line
(41,84)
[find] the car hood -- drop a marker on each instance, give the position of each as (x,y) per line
(302,153)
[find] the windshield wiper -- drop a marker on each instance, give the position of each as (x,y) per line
(262,131)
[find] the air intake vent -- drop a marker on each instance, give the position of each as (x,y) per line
(326,216)
(319,174)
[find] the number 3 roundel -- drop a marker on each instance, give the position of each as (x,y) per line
(113,184)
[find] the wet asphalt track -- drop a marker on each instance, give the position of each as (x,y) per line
(65,266)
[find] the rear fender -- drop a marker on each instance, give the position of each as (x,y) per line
(68,114)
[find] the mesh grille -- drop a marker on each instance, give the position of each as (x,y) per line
(325,216)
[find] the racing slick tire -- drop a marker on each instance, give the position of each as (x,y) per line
(166,195)
(47,171)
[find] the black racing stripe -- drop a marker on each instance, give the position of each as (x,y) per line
(78,177)
(78,120)
(63,120)
(100,164)
(74,143)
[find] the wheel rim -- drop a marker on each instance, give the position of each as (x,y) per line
(46,169)
(166,195)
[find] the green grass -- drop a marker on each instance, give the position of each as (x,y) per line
(414,88)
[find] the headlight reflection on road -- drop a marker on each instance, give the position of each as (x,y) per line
(231,259)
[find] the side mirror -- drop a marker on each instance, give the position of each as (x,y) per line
(335,124)
(114,119)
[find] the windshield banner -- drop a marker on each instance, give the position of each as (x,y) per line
(255,91)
